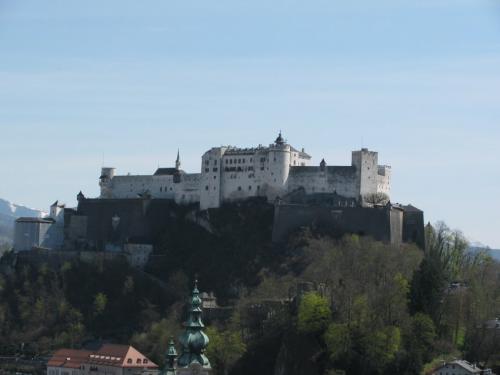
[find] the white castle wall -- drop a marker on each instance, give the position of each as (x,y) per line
(229,174)
(384,179)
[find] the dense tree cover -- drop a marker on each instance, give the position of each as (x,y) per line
(374,309)
(48,308)
(228,256)
(382,309)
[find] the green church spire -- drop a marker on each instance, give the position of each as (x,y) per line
(194,341)
(171,356)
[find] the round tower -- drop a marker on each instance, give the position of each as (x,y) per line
(279,166)
(105,181)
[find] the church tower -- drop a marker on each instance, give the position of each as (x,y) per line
(194,341)
(178,161)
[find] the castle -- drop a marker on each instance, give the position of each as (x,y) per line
(132,211)
(230,174)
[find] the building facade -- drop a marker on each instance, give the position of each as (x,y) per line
(230,173)
(109,359)
(460,367)
(35,232)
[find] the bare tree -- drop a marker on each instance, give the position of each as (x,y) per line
(376,198)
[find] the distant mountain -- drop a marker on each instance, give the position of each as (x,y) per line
(495,253)
(9,212)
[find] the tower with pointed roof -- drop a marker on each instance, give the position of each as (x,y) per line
(194,341)
(178,161)
(170,359)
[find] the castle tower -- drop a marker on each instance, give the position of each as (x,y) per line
(105,182)
(279,167)
(366,163)
(194,341)
(211,172)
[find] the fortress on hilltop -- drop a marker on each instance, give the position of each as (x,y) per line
(229,174)
(133,212)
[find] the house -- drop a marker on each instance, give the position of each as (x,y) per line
(460,367)
(109,359)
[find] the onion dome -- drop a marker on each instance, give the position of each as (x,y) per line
(194,341)
(279,140)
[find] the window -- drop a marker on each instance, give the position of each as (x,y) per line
(215,170)
(239,161)
(215,177)
(206,187)
(231,161)
(129,360)
(207,169)
(145,361)
(206,162)
(227,161)
(138,361)
(239,188)
(250,187)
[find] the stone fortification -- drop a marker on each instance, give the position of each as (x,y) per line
(230,174)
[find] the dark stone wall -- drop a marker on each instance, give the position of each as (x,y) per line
(381,223)
(140,221)
(413,227)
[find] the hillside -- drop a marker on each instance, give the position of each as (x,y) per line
(9,212)
(314,304)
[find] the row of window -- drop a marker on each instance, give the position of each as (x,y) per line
(241,161)
(239,169)
(249,188)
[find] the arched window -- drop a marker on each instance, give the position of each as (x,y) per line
(138,361)
(129,360)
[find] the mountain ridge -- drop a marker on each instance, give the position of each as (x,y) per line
(9,212)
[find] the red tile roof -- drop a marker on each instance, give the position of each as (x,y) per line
(69,358)
(106,355)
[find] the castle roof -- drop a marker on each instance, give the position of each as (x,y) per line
(41,220)
(302,154)
(335,169)
(167,172)
(410,208)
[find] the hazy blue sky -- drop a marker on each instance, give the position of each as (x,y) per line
(418,81)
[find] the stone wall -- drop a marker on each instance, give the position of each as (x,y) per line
(381,223)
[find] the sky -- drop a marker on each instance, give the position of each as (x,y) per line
(126,83)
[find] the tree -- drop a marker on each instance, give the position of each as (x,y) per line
(382,345)
(225,348)
(376,198)
(100,303)
(338,340)
(314,314)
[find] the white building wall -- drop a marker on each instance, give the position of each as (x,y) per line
(384,179)
(229,174)
(210,187)
(366,163)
